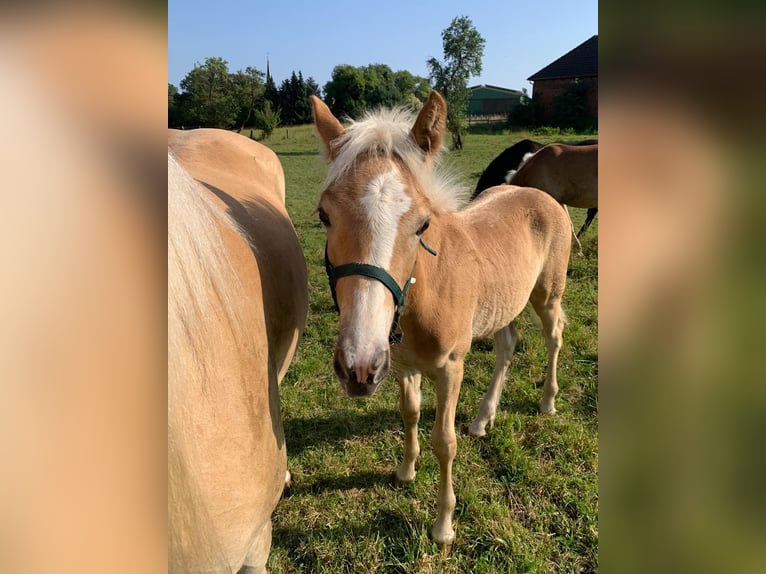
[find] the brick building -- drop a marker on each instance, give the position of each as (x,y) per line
(580,64)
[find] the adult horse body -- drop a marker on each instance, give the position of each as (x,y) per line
(383,200)
(509,160)
(237,305)
(569,173)
(501,169)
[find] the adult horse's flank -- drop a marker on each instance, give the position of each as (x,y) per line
(505,165)
(569,173)
(387,208)
(237,305)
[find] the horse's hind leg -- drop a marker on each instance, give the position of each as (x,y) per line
(592,211)
(552,317)
(505,343)
(409,405)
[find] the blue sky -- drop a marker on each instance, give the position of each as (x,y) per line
(314,37)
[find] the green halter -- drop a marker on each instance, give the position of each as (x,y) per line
(379,274)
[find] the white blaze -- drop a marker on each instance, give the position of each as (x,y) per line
(385,202)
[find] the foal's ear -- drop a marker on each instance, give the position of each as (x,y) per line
(428,131)
(327,125)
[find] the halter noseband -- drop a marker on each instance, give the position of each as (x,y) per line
(379,274)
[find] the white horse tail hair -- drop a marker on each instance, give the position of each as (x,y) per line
(196,267)
(571,225)
(511,173)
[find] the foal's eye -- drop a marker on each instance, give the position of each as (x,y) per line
(423,227)
(323,217)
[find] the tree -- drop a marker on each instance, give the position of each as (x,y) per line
(463,50)
(267,119)
(294,100)
(210,101)
(525,114)
(345,91)
(572,108)
(247,90)
(173,108)
(380,87)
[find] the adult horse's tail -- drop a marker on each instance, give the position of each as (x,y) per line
(511,173)
(198,271)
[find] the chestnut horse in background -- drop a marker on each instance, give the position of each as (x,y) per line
(237,305)
(394,234)
(508,162)
(569,173)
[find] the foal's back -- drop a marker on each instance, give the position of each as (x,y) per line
(569,173)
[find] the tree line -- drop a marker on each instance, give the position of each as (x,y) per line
(212,96)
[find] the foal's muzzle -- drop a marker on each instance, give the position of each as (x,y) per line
(361,379)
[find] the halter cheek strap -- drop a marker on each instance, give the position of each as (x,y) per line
(379,274)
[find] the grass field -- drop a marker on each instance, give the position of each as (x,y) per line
(527,496)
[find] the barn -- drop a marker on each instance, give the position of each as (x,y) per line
(580,66)
(491,101)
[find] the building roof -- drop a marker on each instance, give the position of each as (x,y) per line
(496,88)
(581,62)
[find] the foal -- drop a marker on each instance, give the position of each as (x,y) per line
(393,226)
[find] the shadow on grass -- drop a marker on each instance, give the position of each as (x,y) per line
(390,527)
(298,153)
(313,485)
(303,433)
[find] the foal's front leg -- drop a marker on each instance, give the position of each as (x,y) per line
(409,405)
(444,444)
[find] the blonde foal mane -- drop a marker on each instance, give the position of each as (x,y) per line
(386,133)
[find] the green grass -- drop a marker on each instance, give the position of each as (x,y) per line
(527,497)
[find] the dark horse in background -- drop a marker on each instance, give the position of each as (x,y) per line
(509,160)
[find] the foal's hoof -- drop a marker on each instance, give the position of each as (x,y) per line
(479,428)
(400,482)
(444,541)
(548,410)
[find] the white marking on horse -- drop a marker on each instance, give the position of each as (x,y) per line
(384,202)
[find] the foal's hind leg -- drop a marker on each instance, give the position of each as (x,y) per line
(505,343)
(552,317)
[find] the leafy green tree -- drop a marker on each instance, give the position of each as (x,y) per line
(526,114)
(267,119)
(248,91)
(210,99)
(173,107)
(344,93)
(572,108)
(380,86)
(463,51)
